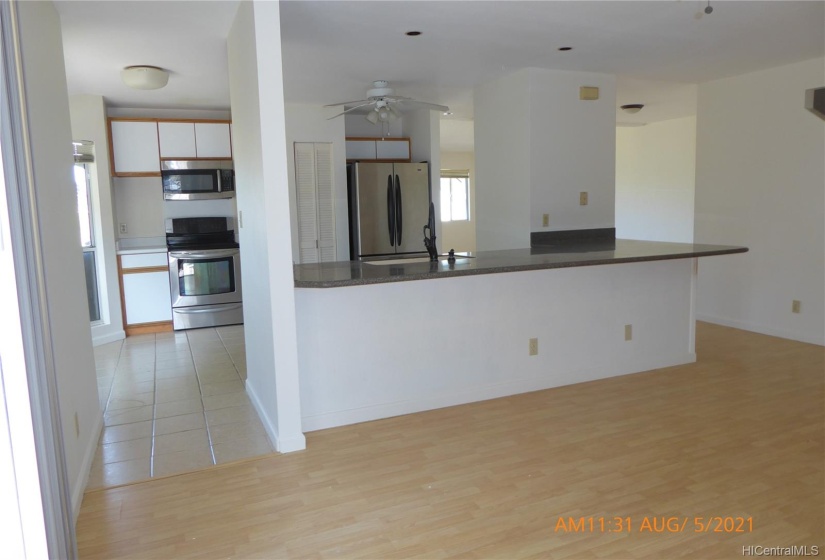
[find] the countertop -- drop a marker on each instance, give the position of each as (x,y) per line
(138,245)
(561,255)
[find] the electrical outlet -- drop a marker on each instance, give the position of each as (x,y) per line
(534,346)
(76,425)
(123,228)
(795,306)
(583,198)
(545,220)
(628,332)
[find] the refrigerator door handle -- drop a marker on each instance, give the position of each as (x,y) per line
(391,210)
(398,211)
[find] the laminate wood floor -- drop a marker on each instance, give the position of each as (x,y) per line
(739,434)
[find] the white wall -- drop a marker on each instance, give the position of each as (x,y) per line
(655,180)
(458,340)
(572,149)
(502,148)
(359,126)
(308,123)
(139,205)
(423,128)
(460,236)
(537,147)
(88,115)
(50,139)
(760,173)
(259,127)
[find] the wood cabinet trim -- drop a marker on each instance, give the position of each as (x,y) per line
(144,269)
(376,139)
(148,328)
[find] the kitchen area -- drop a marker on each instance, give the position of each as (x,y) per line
(172,393)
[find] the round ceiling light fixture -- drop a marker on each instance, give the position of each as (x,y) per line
(144,77)
(632,108)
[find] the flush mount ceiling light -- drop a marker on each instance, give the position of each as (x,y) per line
(632,108)
(144,77)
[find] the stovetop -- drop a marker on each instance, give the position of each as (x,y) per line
(200,234)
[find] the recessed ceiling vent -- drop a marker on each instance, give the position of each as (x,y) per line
(815,101)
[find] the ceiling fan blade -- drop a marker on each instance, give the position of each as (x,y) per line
(347,103)
(411,104)
(348,110)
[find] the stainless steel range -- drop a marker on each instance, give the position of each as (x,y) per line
(204,272)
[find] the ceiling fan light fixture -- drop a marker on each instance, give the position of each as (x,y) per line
(632,108)
(372,116)
(144,77)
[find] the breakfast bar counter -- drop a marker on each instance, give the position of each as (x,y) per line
(382,339)
(563,255)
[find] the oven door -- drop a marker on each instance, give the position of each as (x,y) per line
(211,276)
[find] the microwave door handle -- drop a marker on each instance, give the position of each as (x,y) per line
(218,173)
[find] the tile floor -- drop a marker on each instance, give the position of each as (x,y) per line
(174,402)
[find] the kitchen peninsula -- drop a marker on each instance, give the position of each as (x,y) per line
(379,340)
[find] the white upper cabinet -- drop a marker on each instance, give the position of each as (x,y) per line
(380,149)
(177,140)
(212,140)
(391,148)
(135,147)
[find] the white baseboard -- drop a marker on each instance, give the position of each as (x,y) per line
(761,329)
(79,486)
(106,338)
(281,445)
(474,394)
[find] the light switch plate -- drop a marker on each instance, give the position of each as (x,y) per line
(588,93)
(545,220)
(583,198)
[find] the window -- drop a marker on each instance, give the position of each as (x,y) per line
(455,195)
(84,214)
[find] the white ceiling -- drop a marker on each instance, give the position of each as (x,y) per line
(333,50)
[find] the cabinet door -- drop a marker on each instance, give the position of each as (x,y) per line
(147,297)
(360,149)
(177,140)
(392,149)
(316,206)
(213,140)
(135,147)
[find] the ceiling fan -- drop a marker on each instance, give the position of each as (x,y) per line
(386,107)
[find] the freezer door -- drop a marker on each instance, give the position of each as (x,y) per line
(414,186)
(375,225)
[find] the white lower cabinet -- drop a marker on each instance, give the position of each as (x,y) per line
(146,295)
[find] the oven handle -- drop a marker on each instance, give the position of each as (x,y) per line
(217,253)
(208,309)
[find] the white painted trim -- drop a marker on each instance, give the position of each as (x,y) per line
(108,337)
(281,445)
(493,391)
(79,486)
(761,329)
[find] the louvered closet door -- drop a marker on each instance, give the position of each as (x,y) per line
(316,208)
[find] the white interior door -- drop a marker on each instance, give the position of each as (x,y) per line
(315,201)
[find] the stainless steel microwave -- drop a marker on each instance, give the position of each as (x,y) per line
(197,179)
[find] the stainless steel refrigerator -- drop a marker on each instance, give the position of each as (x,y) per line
(389,207)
